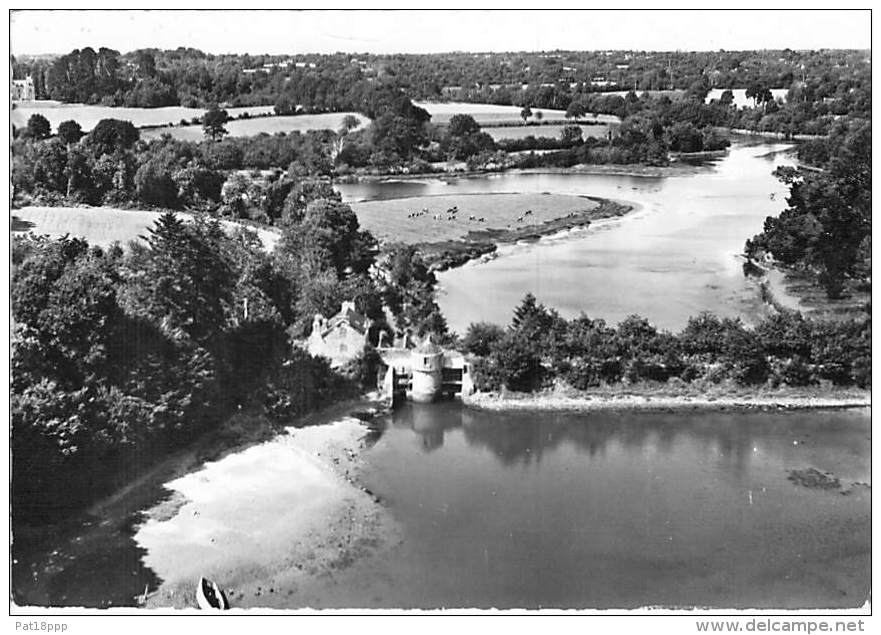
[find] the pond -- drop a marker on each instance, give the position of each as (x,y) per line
(677,255)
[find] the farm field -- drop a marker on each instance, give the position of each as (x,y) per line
(672,94)
(258,125)
(100,225)
(388,221)
(87,116)
(482,113)
(740,99)
(552,131)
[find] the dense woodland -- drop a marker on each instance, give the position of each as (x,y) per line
(131,350)
(826,230)
(821,84)
(120,354)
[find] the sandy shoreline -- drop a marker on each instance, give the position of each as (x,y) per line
(266,515)
(554,402)
(268,521)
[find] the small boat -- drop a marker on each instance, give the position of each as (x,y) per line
(210,597)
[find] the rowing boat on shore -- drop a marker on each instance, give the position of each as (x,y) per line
(210,596)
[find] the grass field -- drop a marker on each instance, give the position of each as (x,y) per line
(552,131)
(88,116)
(252,127)
(483,113)
(388,221)
(99,225)
(491,114)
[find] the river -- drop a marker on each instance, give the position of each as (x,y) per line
(677,255)
(615,510)
(598,510)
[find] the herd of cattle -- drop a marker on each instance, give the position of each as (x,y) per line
(452,214)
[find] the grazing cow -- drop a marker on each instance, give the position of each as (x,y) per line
(481,220)
(528,212)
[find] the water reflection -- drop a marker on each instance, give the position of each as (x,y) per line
(732,439)
(617,509)
(678,255)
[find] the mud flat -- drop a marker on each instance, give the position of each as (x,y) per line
(269,521)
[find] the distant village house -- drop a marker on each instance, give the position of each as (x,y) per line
(23,89)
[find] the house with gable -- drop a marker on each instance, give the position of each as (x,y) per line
(340,338)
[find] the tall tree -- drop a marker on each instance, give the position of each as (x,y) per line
(38,127)
(213,123)
(70,132)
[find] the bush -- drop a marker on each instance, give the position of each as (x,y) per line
(481,336)
(155,186)
(585,373)
(302,384)
(364,369)
(796,372)
(518,361)
(486,374)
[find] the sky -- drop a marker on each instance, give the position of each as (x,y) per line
(291,32)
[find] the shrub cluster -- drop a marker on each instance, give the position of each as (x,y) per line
(539,347)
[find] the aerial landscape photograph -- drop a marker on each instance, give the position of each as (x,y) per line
(490,312)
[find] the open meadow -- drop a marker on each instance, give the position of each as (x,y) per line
(259,125)
(389,220)
(101,226)
(87,116)
(553,131)
(483,114)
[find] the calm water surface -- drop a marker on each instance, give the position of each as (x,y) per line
(600,510)
(616,510)
(603,509)
(678,255)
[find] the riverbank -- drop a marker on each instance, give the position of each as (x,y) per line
(678,168)
(270,521)
(786,289)
(55,565)
(666,398)
(102,559)
(443,255)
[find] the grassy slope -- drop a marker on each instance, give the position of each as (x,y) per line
(88,116)
(258,125)
(99,225)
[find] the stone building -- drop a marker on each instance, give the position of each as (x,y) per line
(23,89)
(425,373)
(340,338)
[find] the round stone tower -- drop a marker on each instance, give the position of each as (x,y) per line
(427,367)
